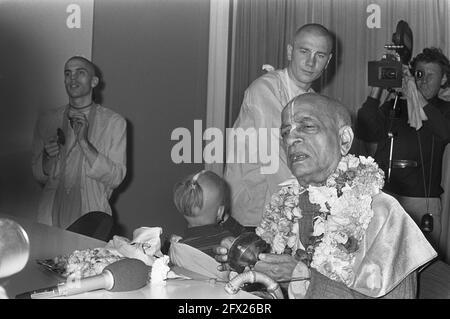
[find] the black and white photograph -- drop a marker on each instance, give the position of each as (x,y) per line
(224,154)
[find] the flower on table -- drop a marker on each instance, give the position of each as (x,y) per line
(160,269)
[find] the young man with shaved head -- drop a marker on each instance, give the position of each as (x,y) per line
(308,54)
(79,150)
(354,241)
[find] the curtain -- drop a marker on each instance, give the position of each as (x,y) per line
(261,30)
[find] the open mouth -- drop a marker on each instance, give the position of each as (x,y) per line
(298,157)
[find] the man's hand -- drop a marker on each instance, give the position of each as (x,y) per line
(221,253)
(375,92)
(51,151)
(51,147)
(80,126)
(279,267)
(409,88)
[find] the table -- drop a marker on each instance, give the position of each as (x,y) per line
(48,242)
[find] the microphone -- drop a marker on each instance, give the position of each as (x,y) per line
(123,275)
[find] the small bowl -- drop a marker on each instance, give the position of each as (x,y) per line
(244,251)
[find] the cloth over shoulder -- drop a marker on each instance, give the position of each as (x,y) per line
(392,249)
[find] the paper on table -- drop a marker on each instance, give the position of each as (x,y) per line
(145,246)
(192,259)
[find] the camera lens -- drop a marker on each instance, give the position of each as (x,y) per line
(418,74)
(388,74)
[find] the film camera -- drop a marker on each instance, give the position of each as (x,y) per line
(387,73)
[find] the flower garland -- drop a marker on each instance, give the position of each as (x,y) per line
(345,213)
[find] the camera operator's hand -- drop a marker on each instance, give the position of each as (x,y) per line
(376,92)
(409,88)
(415,100)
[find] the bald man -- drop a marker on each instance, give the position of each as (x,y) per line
(203,200)
(317,135)
(308,54)
(79,151)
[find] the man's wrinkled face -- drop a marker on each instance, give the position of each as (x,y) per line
(308,57)
(311,138)
(79,78)
(429,79)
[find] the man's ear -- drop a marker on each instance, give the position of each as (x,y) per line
(329,59)
(444,80)
(195,210)
(289,52)
(94,81)
(221,214)
(346,139)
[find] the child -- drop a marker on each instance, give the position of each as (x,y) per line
(203,199)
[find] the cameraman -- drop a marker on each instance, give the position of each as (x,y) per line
(418,146)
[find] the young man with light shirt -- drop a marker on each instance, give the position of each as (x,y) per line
(79,151)
(308,56)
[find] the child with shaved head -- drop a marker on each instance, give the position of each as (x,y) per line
(203,200)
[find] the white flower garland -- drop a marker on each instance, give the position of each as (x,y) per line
(345,205)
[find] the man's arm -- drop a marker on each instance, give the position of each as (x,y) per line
(245,179)
(41,163)
(438,121)
(109,165)
(372,118)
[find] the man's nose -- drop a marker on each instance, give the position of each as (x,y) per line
(311,59)
(293,139)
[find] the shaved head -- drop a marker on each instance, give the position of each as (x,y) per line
(331,106)
(88,64)
(316,30)
(202,198)
(309,54)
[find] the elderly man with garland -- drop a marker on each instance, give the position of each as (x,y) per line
(332,224)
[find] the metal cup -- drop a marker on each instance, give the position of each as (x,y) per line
(244,251)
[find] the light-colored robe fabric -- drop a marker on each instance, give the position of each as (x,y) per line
(251,190)
(393,248)
(108,136)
